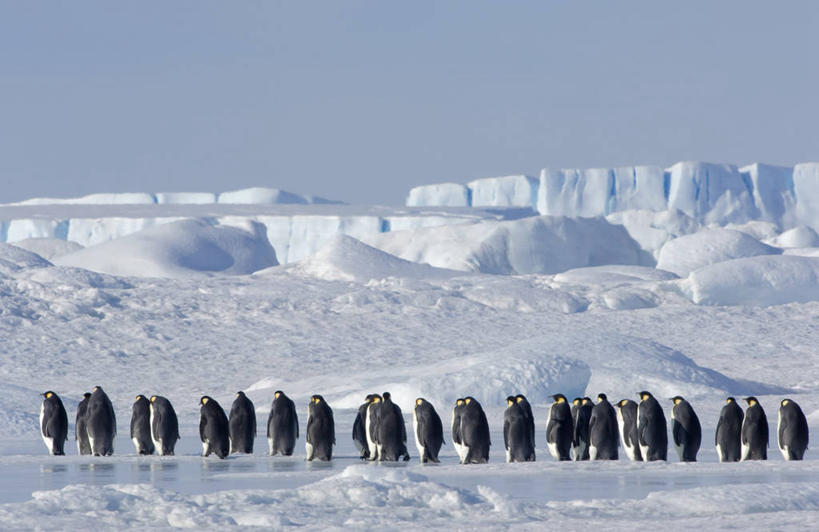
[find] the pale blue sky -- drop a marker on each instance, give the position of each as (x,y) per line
(360,100)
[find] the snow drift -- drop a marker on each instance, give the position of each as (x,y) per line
(688,253)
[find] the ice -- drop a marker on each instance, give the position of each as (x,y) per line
(652,229)
(773,192)
(710,192)
(123,198)
(798,237)
(15,259)
(260,195)
(688,253)
(440,195)
(508,191)
(186,198)
(48,248)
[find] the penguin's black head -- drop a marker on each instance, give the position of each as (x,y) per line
(520,398)
(622,402)
(204,400)
(586,400)
(676,399)
(140,397)
(153,398)
(751,401)
(277,394)
(240,393)
(420,401)
(459,401)
(510,400)
(469,399)
(601,397)
(317,399)
(96,389)
(645,395)
(386,395)
(576,401)
(784,402)
(730,400)
(86,395)
(559,398)
(49,394)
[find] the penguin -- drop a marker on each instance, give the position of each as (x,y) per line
(101,423)
(517,438)
(80,428)
(603,433)
(360,428)
(141,426)
(685,429)
(560,428)
(474,432)
(164,425)
(213,428)
(729,428)
(456,429)
(321,431)
(392,432)
(53,423)
(627,423)
(428,429)
(652,431)
(371,426)
(242,424)
(527,408)
(793,430)
(282,425)
(754,431)
(581,414)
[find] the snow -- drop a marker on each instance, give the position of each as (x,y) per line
(508,191)
(256,195)
(48,248)
(688,253)
(440,195)
(798,237)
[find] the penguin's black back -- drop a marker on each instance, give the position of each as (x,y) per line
(603,431)
(165,424)
(430,430)
(686,430)
(283,425)
(360,431)
(475,432)
(213,428)
(55,423)
(101,422)
(628,410)
(516,434)
(392,432)
(242,424)
(457,411)
(652,430)
(793,430)
(80,426)
(560,429)
(728,434)
(141,425)
(755,433)
(527,410)
(581,415)
(321,431)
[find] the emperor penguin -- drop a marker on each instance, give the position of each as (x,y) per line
(53,423)
(141,426)
(603,433)
(474,432)
(282,425)
(517,437)
(627,422)
(164,425)
(360,428)
(652,431)
(560,428)
(527,409)
(729,429)
(371,425)
(321,431)
(213,428)
(581,414)
(392,432)
(456,429)
(242,424)
(754,431)
(428,429)
(101,423)
(793,430)
(685,429)
(80,426)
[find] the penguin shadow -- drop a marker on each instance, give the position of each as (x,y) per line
(53,468)
(157,466)
(318,465)
(285,464)
(99,469)
(216,466)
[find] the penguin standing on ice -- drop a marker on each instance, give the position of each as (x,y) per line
(754,431)
(603,433)
(686,429)
(517,437)
(728,433)
(560,428)
(360,428)
(627,422)
(53,423)
(282,425)
(527,409)
(101,423)
(213,428)
(793,430)
(581,414)
(80,427)
(371,426)
(474,432)
(392,432)
(242,424)
(457,410)
(652,431)
(321,430)
(141,426)
(429,431)
(164,425)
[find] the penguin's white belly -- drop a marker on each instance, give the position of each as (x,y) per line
(720,456)
(308,447)
(784,451)
(580,450)
(553,450)
(644,451)
(270,445)
(630,452)
(592,452)
(508,456)
(417,439)
(49,442)
(371,445)
(680,449)
(136,445)
(746,450)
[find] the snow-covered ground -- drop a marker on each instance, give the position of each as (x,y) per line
(455,302)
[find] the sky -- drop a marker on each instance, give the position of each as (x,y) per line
(361,100)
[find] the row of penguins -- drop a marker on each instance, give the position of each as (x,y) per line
(584,429)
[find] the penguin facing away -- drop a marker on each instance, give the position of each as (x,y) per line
(685,429)
(392,432)
(80,426)
(581,414)
(321,432)
(164,425)
(754,431)
(527,409)
(627,422)
(371,425)
(101,423)
(242,424)
(517,437)
(428,429)
(792,430)
(457,410)
(603,432)
(728,434)
(652,431)
(53,423)
(474,432)
(213,428)
(360,428)
(282,425)
(560,428)
(141,426)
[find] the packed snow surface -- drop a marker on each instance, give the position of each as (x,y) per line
(690,252)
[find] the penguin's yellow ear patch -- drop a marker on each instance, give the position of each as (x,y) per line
(153,398)
(509,402)
(48,395)
(418,402)
(276,395)
(204,400)
(784,402)
(467,401)
(519,399)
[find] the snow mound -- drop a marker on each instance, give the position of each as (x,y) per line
(544,244)
(261,195)
(14,259)
(179,249)
(688,253)
(798,237)
(652,229)
(760,281)
(613,274)
(103,198)
(49,248)
(346,259)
